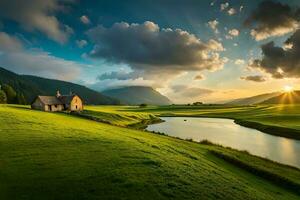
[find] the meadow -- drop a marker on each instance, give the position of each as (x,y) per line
(61,156)
(280,120)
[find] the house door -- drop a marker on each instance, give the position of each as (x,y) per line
(49,108)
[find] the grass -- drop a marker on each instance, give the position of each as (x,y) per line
(60,156)
(280,120)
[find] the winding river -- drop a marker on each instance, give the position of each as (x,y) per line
(229,134)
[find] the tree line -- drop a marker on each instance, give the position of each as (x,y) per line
(10,96)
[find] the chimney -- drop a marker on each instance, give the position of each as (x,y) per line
(58,93)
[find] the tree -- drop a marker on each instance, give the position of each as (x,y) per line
(20,99)
(2,97)
(10,93)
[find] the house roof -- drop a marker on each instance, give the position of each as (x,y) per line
(50,100)
(66,99)
(53,100)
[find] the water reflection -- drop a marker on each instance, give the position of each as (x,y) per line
(227,133)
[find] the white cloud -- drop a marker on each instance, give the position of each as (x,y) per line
(224,6)
(234,32)
(85,20)
(239,62)
(241,8)
(231,11)
(213,25)
(34,62)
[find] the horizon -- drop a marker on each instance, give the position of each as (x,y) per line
(208,51)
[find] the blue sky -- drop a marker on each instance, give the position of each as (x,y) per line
(164,44)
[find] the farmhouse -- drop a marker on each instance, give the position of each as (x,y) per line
(59,102)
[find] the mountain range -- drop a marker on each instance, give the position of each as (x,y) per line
(134,95)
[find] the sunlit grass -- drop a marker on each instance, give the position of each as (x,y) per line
(59,156)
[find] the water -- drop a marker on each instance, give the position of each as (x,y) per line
(229,134)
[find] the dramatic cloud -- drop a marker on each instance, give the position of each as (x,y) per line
(281,62)
(255,78)
(37,15)
(190,92)
(199,77)
(213,25)
(84,19)
(272,19)
(9,43)
(81,43)
(151,51)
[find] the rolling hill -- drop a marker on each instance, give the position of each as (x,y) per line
(285,98)
(254,99)
(134,95)
(31,86)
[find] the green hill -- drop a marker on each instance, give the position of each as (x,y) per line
(134,95)
(285,98)
(31,86)
(59,156)
(254,99)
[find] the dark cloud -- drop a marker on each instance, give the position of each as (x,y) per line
(255,78)
(281,62)
(273,19)
(190,92)
(151,51)
(37,15)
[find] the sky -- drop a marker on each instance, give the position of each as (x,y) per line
(189,50)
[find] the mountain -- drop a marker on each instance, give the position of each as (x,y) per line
(254,99)
(134,95)
(31,86)
(285,98)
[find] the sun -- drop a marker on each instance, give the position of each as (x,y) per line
(288,88)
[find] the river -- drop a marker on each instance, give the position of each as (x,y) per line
(229,134)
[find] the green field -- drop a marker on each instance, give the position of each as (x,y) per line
(282,120)
(60,156)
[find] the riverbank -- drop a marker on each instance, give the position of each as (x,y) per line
(279,120)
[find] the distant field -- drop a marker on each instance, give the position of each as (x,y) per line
(282,120)
(60,156)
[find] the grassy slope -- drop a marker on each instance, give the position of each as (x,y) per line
(57,156)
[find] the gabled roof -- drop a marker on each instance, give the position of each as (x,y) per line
(50,100)
(66,99)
